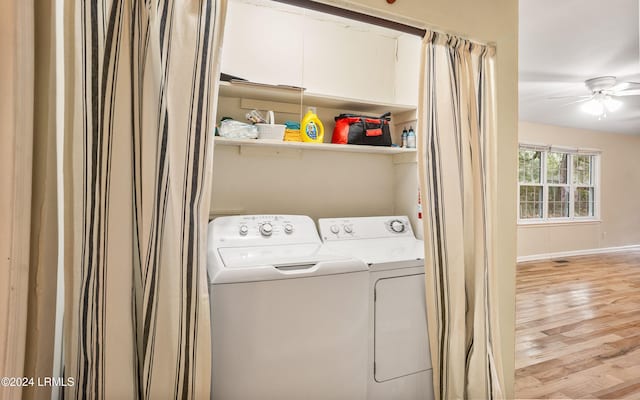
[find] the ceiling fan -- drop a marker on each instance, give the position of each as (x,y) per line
(604,90)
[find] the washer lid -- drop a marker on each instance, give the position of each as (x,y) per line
(277,256)
(265,263)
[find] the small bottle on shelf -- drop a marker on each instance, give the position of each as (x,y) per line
(404,137)
(411,138)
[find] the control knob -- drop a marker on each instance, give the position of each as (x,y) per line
(244,230)
(266,229)
(348,228)
(335,229)
(288,228)
(397,226)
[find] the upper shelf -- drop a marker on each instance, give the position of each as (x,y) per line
(294,95)
(350,148)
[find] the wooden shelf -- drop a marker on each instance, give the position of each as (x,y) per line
(294,95)
(349,148)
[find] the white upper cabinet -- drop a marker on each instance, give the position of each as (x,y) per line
(407,70)
(269,42)
(263,44)
(342,59)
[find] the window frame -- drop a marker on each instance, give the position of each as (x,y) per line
(539,184)
(595,184)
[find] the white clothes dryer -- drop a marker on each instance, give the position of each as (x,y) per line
(399,365)
(288,319)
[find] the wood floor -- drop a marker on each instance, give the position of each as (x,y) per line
(578,328)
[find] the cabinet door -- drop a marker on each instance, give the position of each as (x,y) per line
(401,341)
(263,44)
(407,70)
(348,60)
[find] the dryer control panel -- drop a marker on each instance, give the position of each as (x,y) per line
(364,228)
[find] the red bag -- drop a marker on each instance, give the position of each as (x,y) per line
(359,129)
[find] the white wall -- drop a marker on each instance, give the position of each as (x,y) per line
(289,181)
(619,194)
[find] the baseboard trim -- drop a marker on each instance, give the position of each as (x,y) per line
(585,252)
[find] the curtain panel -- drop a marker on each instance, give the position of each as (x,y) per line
(457,157)
(43,259)
(140,87)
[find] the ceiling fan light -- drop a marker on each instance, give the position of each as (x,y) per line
(612,104)
(593,107)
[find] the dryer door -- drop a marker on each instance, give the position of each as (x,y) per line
(400,332)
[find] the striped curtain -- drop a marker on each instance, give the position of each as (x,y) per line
(140,100)
(457,172)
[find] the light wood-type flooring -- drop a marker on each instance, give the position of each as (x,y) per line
(578,328)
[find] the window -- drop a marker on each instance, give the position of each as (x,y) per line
(530,176)
(556,185)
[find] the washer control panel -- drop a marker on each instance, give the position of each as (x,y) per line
(265,229)
(364,227)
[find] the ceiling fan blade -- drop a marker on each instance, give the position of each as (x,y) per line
(573,102)
(632,92)
(568,97)
(576,102)
(624,86)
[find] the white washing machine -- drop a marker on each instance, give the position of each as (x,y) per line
(399,365)
(289,320)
